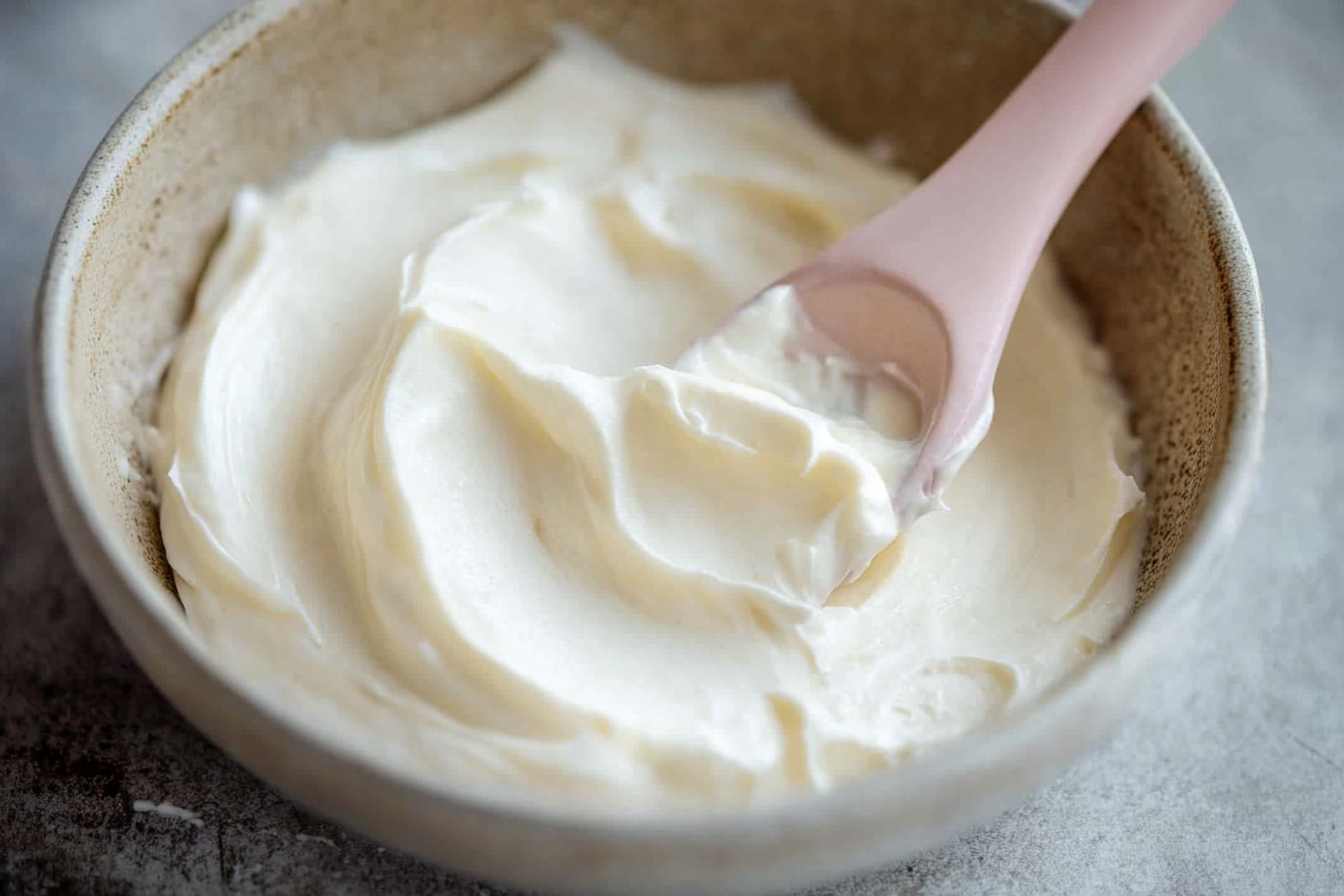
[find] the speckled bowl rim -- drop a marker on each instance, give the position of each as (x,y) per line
(791,842)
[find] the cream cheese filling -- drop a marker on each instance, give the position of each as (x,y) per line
(440,479)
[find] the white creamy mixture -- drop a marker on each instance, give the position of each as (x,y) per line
(435,484)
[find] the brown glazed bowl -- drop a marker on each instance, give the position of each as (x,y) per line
(1151,244)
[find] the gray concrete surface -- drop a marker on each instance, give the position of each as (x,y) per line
(1229,779)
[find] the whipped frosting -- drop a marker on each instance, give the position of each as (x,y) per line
(441,480)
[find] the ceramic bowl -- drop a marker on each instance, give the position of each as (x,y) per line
(1151,244)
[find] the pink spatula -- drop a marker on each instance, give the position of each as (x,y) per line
(929,286)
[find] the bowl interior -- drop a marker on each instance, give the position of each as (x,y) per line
(1139,242)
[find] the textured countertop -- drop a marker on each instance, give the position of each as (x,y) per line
(1229,777)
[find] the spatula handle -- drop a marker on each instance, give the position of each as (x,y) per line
(973,231)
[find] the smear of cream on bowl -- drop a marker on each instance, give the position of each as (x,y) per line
(434,481)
